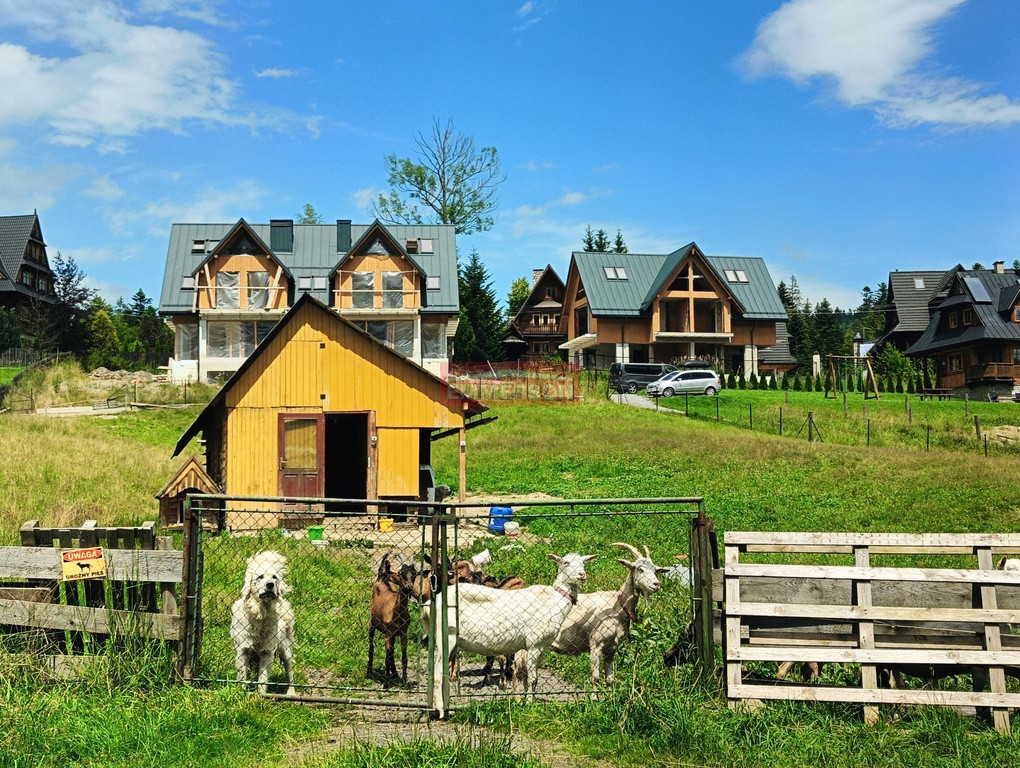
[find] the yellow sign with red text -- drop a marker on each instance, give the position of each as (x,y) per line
(86,563)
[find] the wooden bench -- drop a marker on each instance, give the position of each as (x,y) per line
(939,393)
(862,605)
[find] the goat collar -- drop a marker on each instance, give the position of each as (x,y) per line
(566,594)
(626,608)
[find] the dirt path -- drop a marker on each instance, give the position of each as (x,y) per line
(374,726)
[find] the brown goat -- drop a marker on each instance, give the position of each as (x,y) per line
(389,613)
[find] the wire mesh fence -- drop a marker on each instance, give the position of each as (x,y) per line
(361,579)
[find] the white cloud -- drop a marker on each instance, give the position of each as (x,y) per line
(572,198)
(535,165)
(211,204)
(364,198)
(24,189)
(86,256)
(276,72)
(117,79)
(525,9)
(875,51)
(104,188)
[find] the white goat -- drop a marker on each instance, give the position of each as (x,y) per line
(601,620)
(497,622)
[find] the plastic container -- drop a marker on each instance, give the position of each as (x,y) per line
(498,517)
(512,528)
(385,525)
(315,533)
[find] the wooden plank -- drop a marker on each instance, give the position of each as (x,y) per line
(122,565)
(786,538)
(923,696)
(878,613)
(890,656)
(996,675)
(27,594)
(97,621)
(866,633)
(733,665)
(847,549)
(854,573)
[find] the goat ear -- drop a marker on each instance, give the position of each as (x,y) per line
(662,569)
(1002,563)
(554,558)
(625,563)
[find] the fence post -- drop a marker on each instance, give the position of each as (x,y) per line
(750,417)
(703,574)
(927,439)
(810,427)
(966,404)
(977,426)
(844,404)
(869,433)
(780,422)
(189,590)
(910,415)
(717,407)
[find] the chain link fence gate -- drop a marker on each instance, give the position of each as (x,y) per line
(336,550)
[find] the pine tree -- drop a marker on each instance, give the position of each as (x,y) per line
(731,381)
(618,245)
(10,333)
(785,386)
(480,312)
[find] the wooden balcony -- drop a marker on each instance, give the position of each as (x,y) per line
(992,372)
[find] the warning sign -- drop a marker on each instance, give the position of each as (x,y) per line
(87,563)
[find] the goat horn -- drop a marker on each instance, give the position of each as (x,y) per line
(647,553)
(629,547)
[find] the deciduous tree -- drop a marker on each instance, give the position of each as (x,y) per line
(520,289)
(449,176)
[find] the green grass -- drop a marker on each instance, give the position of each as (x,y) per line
(422,753)
(7,374)
(110,469)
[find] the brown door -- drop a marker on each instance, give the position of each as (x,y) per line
(301,444)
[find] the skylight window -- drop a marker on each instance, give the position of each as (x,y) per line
(919,283)
(736,275)
(615,273)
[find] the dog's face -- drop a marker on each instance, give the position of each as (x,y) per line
(265,576)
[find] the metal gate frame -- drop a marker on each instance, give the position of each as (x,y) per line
(441,516)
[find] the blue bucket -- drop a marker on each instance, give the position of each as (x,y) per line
(498,517)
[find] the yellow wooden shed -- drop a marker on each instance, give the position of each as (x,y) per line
(322,409)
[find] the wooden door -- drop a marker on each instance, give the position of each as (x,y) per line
(301,453)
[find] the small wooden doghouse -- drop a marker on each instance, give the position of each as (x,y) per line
(322,409)
(190,478)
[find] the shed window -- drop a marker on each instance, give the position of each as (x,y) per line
(433,340)
(393,290)
(227,290)
(363,290)
(258,290)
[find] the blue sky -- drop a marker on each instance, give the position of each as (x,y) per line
(836,139)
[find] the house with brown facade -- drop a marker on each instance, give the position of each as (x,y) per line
(226,286)
(25,274)
(629,307)
(973,333)
(534,333)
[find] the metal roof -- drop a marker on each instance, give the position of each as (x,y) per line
(314,254)
(910,298)
(646,274)
(994,322)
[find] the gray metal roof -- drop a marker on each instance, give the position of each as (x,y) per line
(314,254)
(909,294)
(982,291)
(535,293)
(648,273)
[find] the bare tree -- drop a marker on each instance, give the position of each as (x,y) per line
(450,176)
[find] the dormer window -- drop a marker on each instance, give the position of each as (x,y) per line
(615,273)
(952,319)
(968,316)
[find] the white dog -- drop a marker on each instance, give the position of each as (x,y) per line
(262,623)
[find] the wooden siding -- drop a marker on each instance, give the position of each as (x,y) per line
(377,264)
(206,289)
(763,333)
(398,462)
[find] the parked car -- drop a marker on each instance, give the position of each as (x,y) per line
(695,382)
(630,377)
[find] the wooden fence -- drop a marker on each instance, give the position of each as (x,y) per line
(881,605)
(60,620)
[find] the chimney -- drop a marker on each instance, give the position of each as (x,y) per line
(535,274)
(997,267)
(281,235)
(343,235)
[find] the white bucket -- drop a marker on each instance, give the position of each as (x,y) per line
(482,558)
(511,528)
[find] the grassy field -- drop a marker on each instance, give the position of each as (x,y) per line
(109,468)
(7,374)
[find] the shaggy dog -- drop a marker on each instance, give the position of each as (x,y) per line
(262,623)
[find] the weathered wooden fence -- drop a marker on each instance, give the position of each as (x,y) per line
(928,605)
(59,620)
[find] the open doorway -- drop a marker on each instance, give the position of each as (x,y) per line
(347,450)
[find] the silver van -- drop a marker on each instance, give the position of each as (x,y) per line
(630,377)
(694,382)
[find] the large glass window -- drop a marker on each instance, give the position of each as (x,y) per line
(363,290)
(433,340)
(187,342)
(235,339)
(258,290)
(396,334)
(227,287)
(393,290)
